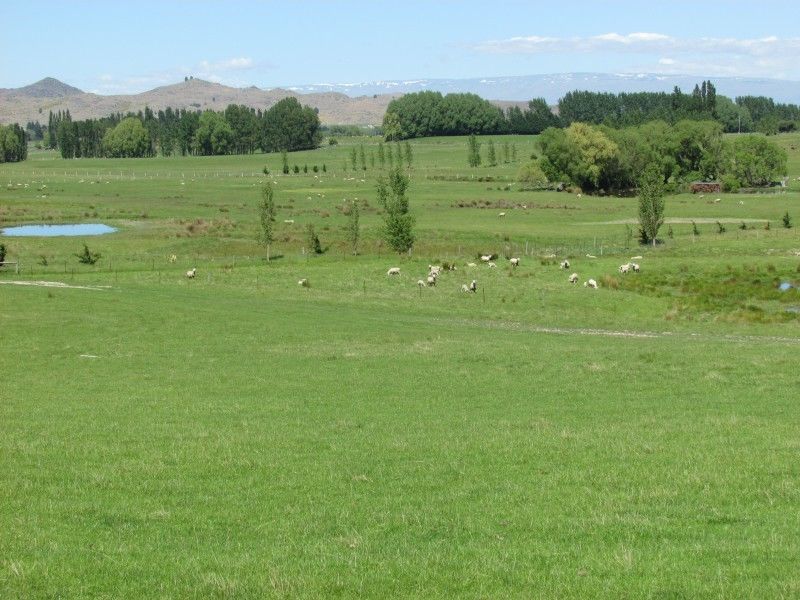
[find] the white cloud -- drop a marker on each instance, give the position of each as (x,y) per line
(767,56)
(231,64)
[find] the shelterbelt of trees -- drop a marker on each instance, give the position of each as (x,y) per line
(13,143)
(430,113)
(286,126)
(599,157)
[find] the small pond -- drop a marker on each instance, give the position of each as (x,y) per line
(74,229)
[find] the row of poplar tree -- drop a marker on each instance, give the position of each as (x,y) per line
(287,125)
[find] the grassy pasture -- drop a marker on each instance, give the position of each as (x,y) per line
(238,436)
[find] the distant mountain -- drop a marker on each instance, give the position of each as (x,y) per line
(45,88)
(554,86)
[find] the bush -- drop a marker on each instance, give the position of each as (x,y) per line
(265,170)
(695,230)
(2,254)
(314,244)
(787,220)
(730,184)
(743,226)
(87,257)
(766,226)
(531,175)
(315,168)
(720,228)
(296,169)
(670,233)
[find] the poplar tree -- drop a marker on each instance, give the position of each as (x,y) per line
(267,216)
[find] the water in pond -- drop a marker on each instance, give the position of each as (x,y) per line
(73,229)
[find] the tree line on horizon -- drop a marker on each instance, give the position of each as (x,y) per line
(425,114)
(286,126)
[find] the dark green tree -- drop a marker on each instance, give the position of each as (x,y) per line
(651,203)
(473,152)
(266,213)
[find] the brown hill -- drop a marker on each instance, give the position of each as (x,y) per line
(33,102)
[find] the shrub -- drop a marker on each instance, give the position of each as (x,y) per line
(265,170)
(324,168)
(2,254)
(305,168)
(315,168)
(766,226)
(531,175)
(743,226)
(670,233)
(332,141)
(314,244)
(720,228)
(730,183)
(695,230)
(787,220)
(87,257)
(296,169)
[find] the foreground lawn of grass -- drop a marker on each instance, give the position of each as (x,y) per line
(239,436)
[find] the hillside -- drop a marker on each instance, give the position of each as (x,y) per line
(33,102)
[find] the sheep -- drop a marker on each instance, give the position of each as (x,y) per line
(421,283)
(625,268)
(514,262)
(635,267)
(491,265)
(573,278)
(434,270)
(565,264)
(579,196)
(431,281)
(486,257)
(471,265)
(393,271)
(173,258)
(636,258)
(591,284)
(464,287)
(289,221)
(590,256)
(472,287)
(304,283)
(192,273)
(502,214)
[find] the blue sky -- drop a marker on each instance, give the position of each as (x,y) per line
(124,47)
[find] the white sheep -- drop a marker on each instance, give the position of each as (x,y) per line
(514,262)
(471,265)
(393,271)
(434,270)
(173,258)
(636,258)
(565,264)
(289,221)
(590,256)
(472,287)
(304,283)
(192,273)
(635,267)
(502,214)
(431,281)
(491,265)
(573,278)
(625,268)
(421,282)
(591,283)
(486,257)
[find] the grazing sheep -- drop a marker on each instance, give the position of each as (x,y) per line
(192,273)
(591,283)
(304,283)
(421,282)
(431,281)
(289,221)
(565,264)
(471,265)
(502,214)
(573,278)
(636,258)
(590,256)
(491,265)
(625,268)
(393,271)
(486,257)
(579,196)
(434,270)
(472,287)
(173,258)
(514,262)
(635,267)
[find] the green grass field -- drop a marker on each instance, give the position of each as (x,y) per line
(238,436)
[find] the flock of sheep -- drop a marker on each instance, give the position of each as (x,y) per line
(434,271)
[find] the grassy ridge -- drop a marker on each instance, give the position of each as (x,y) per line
(239,436)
